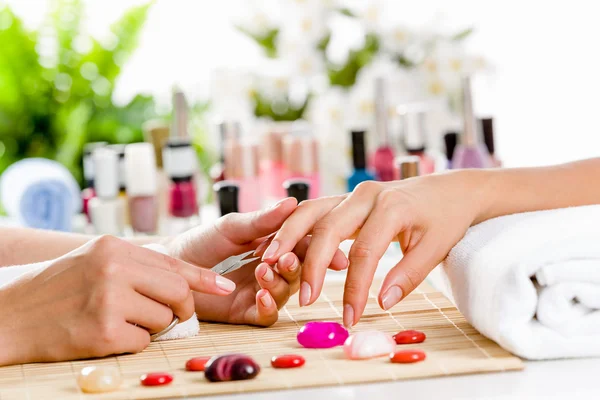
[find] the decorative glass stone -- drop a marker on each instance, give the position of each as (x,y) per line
(368,344)
(410,336)
(156,379)
(322,335)
(196,363)
(99,379)
(287,361)
(231,367)
(407,356)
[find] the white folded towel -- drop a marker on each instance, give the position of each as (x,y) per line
(531,281)
(184,329)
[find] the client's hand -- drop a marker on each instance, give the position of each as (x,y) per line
(103,298)
(260,289)
(427,215)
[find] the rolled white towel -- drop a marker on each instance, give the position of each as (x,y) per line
(531,281)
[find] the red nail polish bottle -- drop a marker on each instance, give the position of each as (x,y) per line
(383,159)
(179,160)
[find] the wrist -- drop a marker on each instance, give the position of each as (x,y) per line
(481,184)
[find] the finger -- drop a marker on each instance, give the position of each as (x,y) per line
(327,235)
(265,312)
(364,255)
(199,279)
(163,287)
(270,280)
(288,266)
(132,339)
(338,263)
(298,225)
(144,312)
(417,263)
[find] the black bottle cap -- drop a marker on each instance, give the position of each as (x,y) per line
(297,188)
(359,156)
(487,127)
(227,195)
(450,140)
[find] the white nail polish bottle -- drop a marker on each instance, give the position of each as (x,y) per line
(107,209)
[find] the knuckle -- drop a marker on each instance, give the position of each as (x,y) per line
(366,187)
(105,242)
(387,199)
(181,290)
(413,277)
(108,334)
(170,263)
(360,250)
(228,220)
(108,270)
(352,288)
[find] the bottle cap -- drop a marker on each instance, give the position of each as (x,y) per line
(120,150)
(413,129)
(227,195)
(88,163)
(156,133)
(301,154)
(487,126)
(450,140)
(241,159)
(408,166)
(106,165)
(359,156)
(180,115)
(140,170)
(273,142)
(297,188)
(179,158)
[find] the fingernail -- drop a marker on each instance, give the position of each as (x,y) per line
(348,316)
(271,250)
(391,297)
(304,294)
(280,202)
(266,299)
(268,275)
(347,263)
(294,266)
(261,247)
(224,284)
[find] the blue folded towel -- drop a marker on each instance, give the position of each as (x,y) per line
(40,193)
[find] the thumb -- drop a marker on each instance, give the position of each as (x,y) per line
(244,228)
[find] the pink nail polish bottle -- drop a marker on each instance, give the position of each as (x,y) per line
(413,129)
(142,187)
(242,166)
(89,174)
(272,168)
(301,155)
(180,163)
(383,159)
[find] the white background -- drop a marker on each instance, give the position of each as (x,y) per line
(545,54)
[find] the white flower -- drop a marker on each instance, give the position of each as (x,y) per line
(302,57)
(396,39)
(258,17)
(306,20)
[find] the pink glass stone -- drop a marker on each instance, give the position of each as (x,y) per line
(369,344)
(322,335)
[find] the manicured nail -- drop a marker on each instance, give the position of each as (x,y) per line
(266,299)
(391,297)
(261,247)
(224,284)
(271,250)
(294,266)
(304,294)
(348,316)
(280,202)
(268,275)
(347,264)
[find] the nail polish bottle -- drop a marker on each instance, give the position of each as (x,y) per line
(227,196)
(228,130)
(142,187)
(88,174)
(120,150)
(297,188)
(450,141)
(157,133)
(107,208)
(383,159)
(180,163)
(407,167)
(413,129)
(241,162)
(487,127)
(359,160)
(470,153)
(272,167)
(301,155)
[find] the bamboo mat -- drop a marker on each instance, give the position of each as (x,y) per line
(453,347)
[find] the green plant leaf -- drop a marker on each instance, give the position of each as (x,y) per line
(465,33)
(266,108)
(267,41)
(345,76)
(347,12)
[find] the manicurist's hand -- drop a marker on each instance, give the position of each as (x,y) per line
(427,215)
(261,288)
(103,298)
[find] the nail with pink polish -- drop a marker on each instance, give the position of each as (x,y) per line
(271,250)
(348,316)
(305,292)
(391,297)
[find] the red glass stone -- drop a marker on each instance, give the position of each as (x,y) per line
(196,363)
(407,356)
(408,337)
(156,379)
(287,361)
